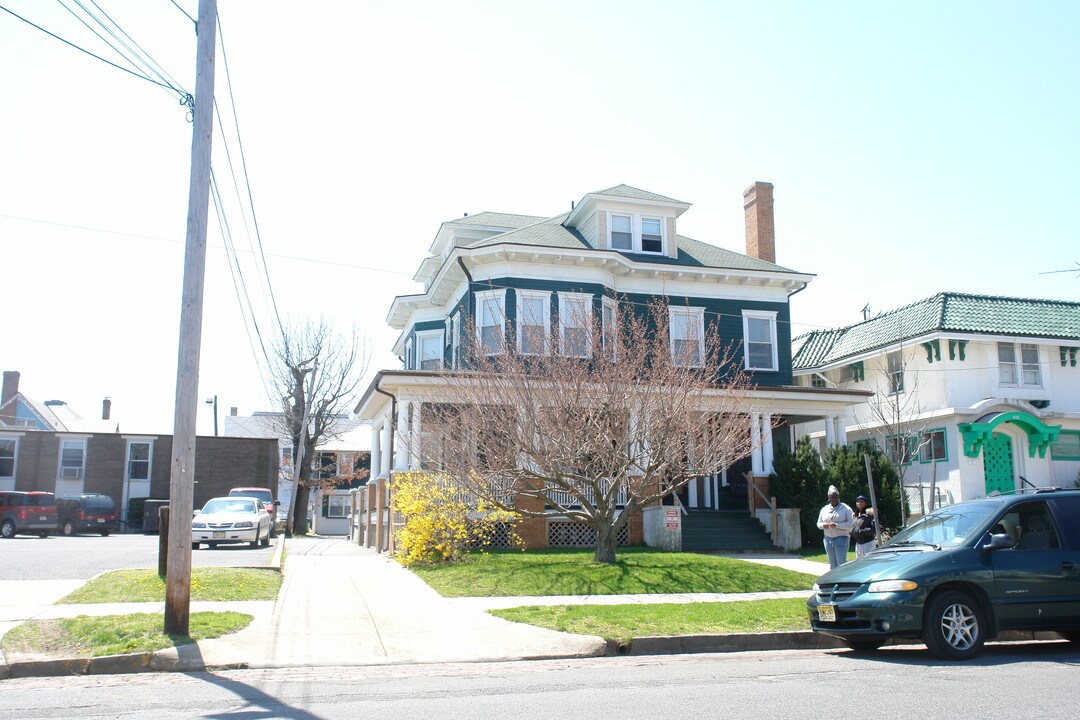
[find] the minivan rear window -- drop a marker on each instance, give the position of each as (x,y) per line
(42,500)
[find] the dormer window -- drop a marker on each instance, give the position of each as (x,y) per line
(652,240)
(622,232)
(634,233)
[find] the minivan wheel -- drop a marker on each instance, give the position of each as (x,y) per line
(68,529)
(105,533)
(7,529)
(953,625)
(863,645)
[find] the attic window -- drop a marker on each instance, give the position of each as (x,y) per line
(622,232)
(651,238)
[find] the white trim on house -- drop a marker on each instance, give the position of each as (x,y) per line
(580,320)
(493,304)
(695,321)
(425,336)
(608,305)
(637,222)
(770,316)
(545,319)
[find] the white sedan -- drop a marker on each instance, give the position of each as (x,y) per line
(231,520)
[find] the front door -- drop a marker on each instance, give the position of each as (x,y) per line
(998,464)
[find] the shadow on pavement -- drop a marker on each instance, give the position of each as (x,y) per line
(261,704)
(992,655)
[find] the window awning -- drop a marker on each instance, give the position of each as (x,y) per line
(1040,435)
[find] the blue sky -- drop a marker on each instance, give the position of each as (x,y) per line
(915,148)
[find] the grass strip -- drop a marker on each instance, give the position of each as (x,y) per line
(625,622)
(87,636)
(573,572)
(212,583)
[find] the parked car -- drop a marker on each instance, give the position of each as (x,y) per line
(89,512)
(960,575)
(263,495)
(28,513)
(231,520)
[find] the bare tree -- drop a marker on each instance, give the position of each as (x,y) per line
(895,415)
(594,422)
(342,361)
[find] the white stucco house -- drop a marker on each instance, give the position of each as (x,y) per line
(987,387)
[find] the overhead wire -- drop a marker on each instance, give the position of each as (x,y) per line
(193,20)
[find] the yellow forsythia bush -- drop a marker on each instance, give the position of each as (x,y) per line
(439,524)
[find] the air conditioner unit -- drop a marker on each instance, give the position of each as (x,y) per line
(71,473)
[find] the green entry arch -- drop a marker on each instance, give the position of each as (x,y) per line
(979,433)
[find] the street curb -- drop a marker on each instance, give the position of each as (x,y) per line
(735,642)
(119,664)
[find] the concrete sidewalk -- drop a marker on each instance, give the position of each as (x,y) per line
(341,604)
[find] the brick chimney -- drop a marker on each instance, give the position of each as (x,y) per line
(10,390)
(760,230)
(106,408)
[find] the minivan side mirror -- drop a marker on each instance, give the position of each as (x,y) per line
(999,542)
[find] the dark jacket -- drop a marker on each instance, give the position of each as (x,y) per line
(862,531)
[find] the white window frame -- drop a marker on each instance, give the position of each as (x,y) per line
(409,354)
(482,297)
(696,314)
(770,316)
(569,298)
(61,468)
(342,501)
(426,335)
(455,339)
(1018,365)
(545,298)
(610,344)
(149,459)
(14,456)
(896,384)
(636,220)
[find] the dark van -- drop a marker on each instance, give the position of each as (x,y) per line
(89,512)
(27,513)
(960,575)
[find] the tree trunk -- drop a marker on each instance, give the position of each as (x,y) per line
(300,526)
(605,545)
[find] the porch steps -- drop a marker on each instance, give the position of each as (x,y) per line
(728,530)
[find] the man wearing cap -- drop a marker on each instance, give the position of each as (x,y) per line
(862,531)
(836,519)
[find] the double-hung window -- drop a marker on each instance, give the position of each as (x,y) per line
(635,233)
(8,451)
(408,355)
(1019,369)
(455,339)
(138,460)
(491,321)
(894,362)
(932,446)
(533,322)
(609,328)
(622,232)
(429,349)
(687,330)
(759,340)
(575,324)
(72,459)
(335,506)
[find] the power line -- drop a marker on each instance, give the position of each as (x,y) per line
(83,50)
(193,20)
(151,64)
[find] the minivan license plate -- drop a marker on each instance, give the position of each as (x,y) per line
(826,613)
(43,518)
(219,534)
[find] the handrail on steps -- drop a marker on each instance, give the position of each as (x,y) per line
(771,502)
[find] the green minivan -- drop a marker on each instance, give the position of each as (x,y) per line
(960,575)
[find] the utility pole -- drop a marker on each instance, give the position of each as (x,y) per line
(181,478)
(298,452)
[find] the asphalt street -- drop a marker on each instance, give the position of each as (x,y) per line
(81,557)
(1031,680)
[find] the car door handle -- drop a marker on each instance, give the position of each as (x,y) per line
(1066,565)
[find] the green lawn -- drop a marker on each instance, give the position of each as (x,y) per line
(817,554)
(625,622)
(573,572)
(86,636)
(206,584)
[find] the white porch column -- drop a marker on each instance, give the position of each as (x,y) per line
(414,437)
(830,431)
(386,432)
(376,450)
(840,431)
(766,443)
(756,460)
(401,439)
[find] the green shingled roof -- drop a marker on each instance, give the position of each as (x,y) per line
(944,312)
